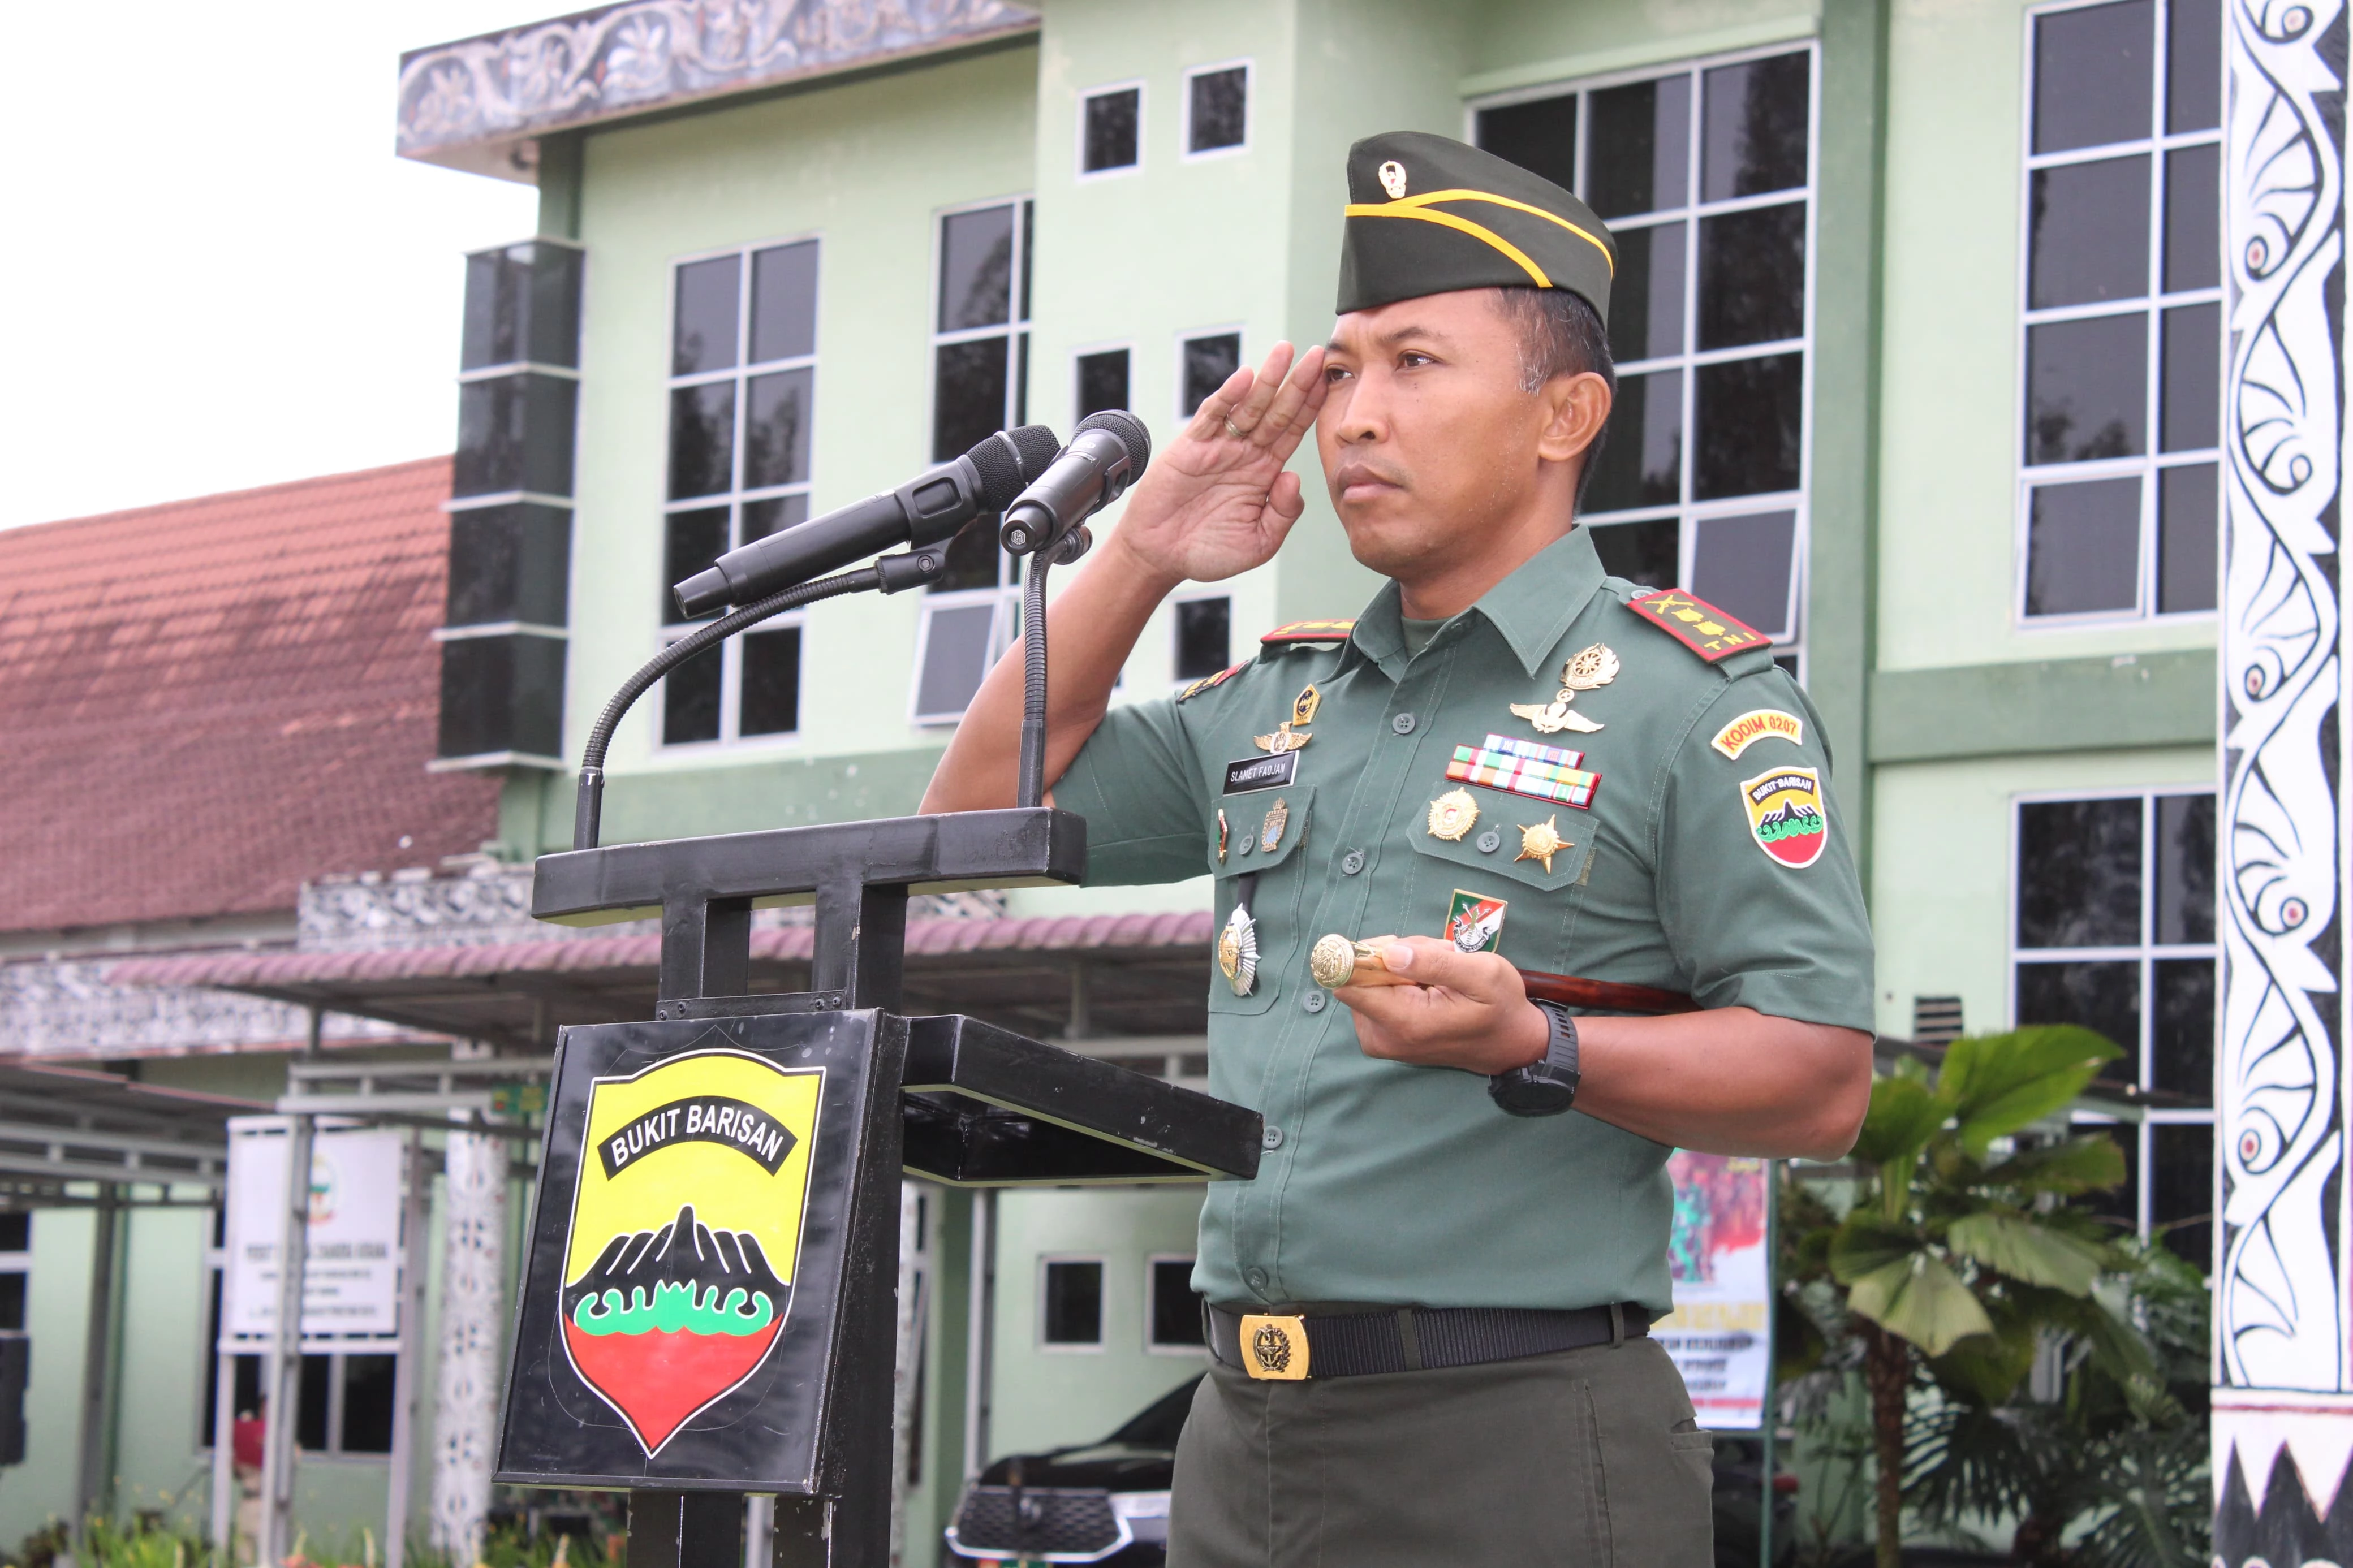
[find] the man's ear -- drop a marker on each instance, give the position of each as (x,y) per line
(1574,409)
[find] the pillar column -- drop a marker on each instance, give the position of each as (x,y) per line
(473,1311)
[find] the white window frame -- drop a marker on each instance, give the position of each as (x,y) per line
(1689,513)
(736,498)
(1249,67)
(1193,595)
(1079,153)
(1156,1347)
(2149,464)
(1005,625)
(1234,330)
(1102,1342)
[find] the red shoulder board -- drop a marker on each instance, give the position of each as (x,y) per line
(1207,681)
(1697,625)
(1308,632)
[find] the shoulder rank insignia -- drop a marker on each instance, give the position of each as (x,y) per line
(1206,681)
(1697,625)
(1299,632)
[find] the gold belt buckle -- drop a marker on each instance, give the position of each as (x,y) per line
(1274,1350)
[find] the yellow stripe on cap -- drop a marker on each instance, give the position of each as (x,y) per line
(1390,209)
(1405,209)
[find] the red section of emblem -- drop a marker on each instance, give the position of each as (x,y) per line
(1799,848)
(658,1378)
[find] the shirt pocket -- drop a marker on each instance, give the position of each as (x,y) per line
(1276,903)
(1495,858)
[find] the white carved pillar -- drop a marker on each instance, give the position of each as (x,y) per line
(2282,1421)
(474,1315)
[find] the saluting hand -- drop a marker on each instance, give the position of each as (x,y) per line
(1217,501)
(1466,1010)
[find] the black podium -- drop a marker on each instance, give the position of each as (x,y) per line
(709,1304)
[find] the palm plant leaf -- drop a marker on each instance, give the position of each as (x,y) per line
(1920,1299)
(2017,1246)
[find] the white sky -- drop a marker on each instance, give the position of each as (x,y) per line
(215,272)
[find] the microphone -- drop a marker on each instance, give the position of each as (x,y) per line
(927,509)
(1106,453)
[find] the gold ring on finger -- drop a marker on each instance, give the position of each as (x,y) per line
(1236,431)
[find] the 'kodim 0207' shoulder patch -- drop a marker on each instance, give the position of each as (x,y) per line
(1697,625)
(1756,725)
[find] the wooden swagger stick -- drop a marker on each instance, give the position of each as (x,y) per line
(1335,962)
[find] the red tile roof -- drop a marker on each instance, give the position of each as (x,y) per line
(206,702)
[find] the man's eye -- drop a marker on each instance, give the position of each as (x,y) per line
(1413,357)
(1332,372)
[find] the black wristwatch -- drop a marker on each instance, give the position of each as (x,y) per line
(1545,1087)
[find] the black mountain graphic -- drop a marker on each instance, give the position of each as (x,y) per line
(1787,812)
(684,1251)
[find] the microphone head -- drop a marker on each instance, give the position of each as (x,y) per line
(1008,460)
(1130,431)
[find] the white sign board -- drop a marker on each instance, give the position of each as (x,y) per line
(351,1279)
(1720,1334)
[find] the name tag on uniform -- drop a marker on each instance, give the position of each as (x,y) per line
(1261,772)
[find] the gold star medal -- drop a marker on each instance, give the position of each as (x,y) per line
(1451,814)
(1238,951)
(1541,842)
(1597,666)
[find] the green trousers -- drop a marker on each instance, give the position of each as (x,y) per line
(1583,1458)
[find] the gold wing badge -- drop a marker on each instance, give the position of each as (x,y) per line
(1597,666)
(1291,734)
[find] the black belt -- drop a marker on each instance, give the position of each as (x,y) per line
(1287,1347)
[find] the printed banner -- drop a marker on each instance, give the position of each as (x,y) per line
(1720,1334)
(351,1270)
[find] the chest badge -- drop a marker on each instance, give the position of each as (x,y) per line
(1238,950)
(1541,842)
(1278,818)
(1451,814)
(1222,836)
(1597,666)
(1292,733)
(1474,923)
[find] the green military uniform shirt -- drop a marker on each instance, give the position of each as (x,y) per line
(1710,860)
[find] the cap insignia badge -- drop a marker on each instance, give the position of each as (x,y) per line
(1222,836)
(1238,951)
(1393,180)
(1451,814)
(1541,842)
(1278,818)
(1597,666)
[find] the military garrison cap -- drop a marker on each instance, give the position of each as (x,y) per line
(1427,214)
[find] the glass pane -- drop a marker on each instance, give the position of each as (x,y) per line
(2182,1037)
(1641,456)
(2103,997)
(1021,381)
(2087,389)
(2190,381)
(2181,1187)
(12,1302)
(772,682)
(1752,277)
(2083,548)
(1220,109)
(2078,874)
(1748,564)
(514,432)
(777,429)
(2187,557)
(1109,135)
(702,335)
(317,1389)
(1073,1304)
(2092,75)
(1755,136)
(702,439)
(784,302)
(1641,157)
(1175,1310)
(956,656)
(1204,637)
(2193,65)
(1646,298)
(967,395)
(690,698)
(2185,869)
(2088,224)
(2193,218)
(367,1404)
(1645,552)
(1102,382)
(1748,413)
(17,1232)
(496,313)
(692,541)
(974,560)
(976,268)
(1208,363)
(2120,1203)
(763,518)
(1540,137)
(1028,255)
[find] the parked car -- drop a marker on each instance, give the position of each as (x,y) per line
(1107,1503)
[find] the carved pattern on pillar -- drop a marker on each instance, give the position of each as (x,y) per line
(2280,1291)
(473,1314)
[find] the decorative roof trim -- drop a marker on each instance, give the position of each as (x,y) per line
(476,104)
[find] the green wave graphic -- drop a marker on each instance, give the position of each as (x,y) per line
(674,1307)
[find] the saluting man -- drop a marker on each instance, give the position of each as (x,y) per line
(1429,1309)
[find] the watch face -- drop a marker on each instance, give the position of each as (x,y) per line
(1532,1092)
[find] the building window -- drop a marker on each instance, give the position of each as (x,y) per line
(980,384)
(15,1270)
(345,1404)
(2113,928)
(1102,382)
(1176,1314)
(1070,1303)
(1204,362)
(2121,343)
(1706,177)
(1217,108)
(1205,639)
(1111,130)
(742,403)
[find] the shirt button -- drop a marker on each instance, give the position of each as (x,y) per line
(1490,841)
(1257,1278)
(1352,862)
(1313,1002)
(1272,1137)
(1402,723)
